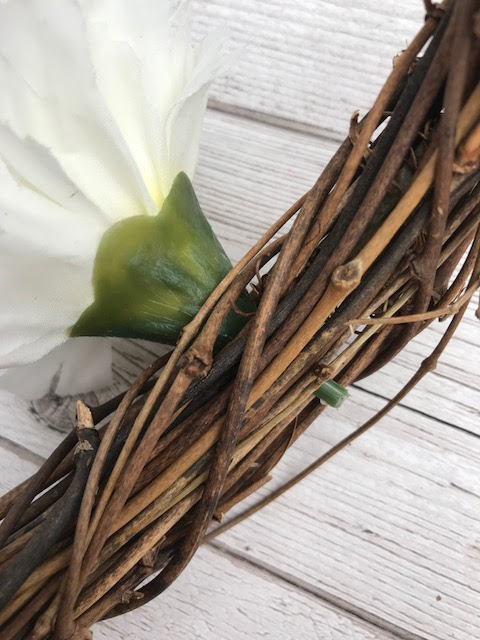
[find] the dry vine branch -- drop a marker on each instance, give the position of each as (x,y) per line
(374,242)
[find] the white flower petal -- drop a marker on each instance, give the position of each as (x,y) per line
(184,124)
(77,366)
(41,298)
(33,166)
(39,203)
(153,82)
(46,262)
(52,97)
(31,381)
(86,365)
(101,107)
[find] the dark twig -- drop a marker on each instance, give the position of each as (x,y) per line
(15,571)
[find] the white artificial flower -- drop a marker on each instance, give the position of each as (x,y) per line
(101,107)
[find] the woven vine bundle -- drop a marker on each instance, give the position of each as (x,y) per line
(386,242)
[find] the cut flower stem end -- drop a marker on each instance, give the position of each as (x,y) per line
(332,394)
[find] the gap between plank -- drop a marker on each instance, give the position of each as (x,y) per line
(280,122)
(22,452)
(417,411)
(338,603)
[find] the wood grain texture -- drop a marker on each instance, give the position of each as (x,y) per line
(452,393)
(390,525)
(307,64)
(224,597)
(17,463)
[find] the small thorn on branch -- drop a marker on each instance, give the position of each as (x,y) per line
(87,434)
(433,9)
(197,362)
(354,128)
(348,276)
(148,559)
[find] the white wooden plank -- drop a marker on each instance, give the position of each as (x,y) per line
(308,63)
(18,424)
(219,597)
(16,466)
(249,173)
(452,392)
(390,524)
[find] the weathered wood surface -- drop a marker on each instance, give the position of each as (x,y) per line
(389,525)
(307,64)
(387,535)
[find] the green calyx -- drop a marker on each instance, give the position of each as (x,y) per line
(153,273)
